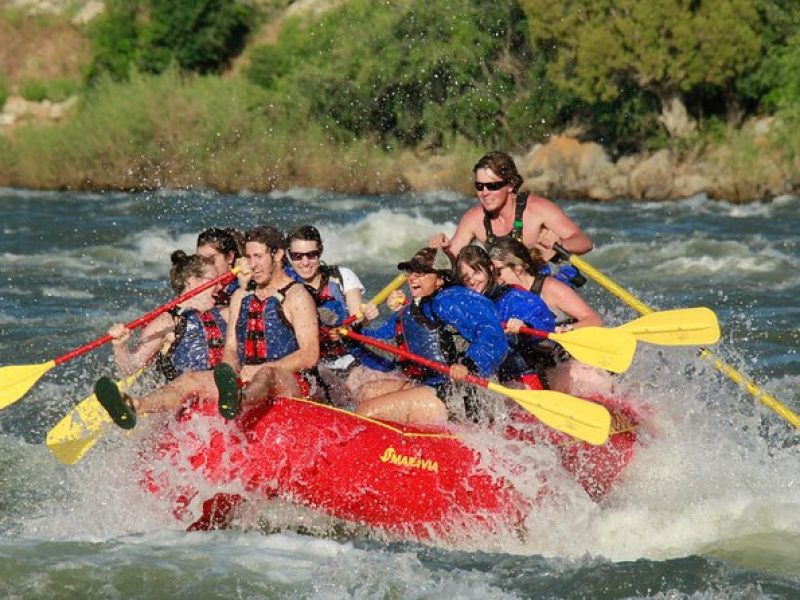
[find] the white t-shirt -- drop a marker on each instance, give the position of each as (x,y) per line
(350,281)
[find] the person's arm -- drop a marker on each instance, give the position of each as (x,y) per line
(560,296)
(152,338)
(353,290)
(301,312)
(465,233)
(557,227)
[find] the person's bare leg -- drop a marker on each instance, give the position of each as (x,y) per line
(364,383)
(381,387)
(415,405)
(176,392)
(573,377)
(270,381)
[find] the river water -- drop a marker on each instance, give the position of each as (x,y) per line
(710,506)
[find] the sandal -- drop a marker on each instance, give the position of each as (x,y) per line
(116,403)
(227,383)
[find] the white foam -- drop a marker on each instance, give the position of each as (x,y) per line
(380,239)
(62,292)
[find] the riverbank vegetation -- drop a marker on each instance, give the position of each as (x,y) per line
(352,95)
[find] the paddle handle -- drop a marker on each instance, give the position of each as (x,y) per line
(431,364)
(379,298)
(144,320)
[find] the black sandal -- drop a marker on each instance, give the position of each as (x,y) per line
(115,402)
(227,383)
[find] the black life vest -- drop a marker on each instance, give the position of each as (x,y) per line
(516,230)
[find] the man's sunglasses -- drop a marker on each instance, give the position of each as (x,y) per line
(312,255)
(489,185)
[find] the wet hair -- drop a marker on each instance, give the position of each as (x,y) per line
(305,233)
(513,253)
(502,165)
(477,259)
(223,240)
(267,235)
(185,266)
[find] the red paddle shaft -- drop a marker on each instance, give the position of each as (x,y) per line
(144,320)
(431,364)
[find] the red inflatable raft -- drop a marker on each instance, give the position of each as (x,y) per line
(409,481)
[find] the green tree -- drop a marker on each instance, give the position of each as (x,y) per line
(668,48)
(201,35)
(410,72)
(114,42)
(775,81)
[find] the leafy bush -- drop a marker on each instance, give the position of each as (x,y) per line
(200,36)
(114,37)
(55,90)
(412,72)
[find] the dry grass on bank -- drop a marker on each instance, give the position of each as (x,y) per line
(169,131)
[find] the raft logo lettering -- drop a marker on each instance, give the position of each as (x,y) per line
(391,456)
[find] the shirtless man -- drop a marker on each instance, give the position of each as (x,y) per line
(497,184)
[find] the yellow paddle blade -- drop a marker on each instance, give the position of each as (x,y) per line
(579,418)
(15,381)
(680,327)
(608,349)
(74,435)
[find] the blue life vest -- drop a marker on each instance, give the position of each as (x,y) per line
(564,273)
(427,337)
(262,332)
(329,297)
(454,324)
(199,340)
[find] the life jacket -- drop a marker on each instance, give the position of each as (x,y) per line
(566,273)
(262,332)
(420,331)
(516,230)
(198,345)
(223,296)
(331,308)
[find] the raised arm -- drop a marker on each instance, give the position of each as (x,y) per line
(467,230)
(153,337)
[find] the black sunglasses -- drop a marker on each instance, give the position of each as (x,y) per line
(312,255)
(489,185)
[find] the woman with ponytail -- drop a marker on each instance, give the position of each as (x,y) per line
(190,337)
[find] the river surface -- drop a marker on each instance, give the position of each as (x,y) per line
(709,508)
